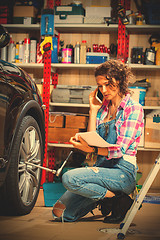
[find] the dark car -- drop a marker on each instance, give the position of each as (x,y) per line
(22,138)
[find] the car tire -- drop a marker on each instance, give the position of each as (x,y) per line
(22,184)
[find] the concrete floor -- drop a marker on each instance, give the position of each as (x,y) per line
(38,225)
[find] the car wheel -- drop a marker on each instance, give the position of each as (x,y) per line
(23,180)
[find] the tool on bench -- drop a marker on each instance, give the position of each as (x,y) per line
(58,172)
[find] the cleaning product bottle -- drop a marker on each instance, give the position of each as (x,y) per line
(11,51)
(83,52)
(21,51)
(150,55)
(17,52)
(77,53)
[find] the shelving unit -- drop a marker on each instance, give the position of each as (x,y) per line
(146,156)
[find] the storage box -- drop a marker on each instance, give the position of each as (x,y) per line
(61,135)
(69,14)
(96,57)
(24,11)
(52,192)
(152,101)
(69,10)
(68,19)
(98,11)
(23,20)
(76,122)
(56,120)
(152,134)
(138,94)
(71,94)
(93,19)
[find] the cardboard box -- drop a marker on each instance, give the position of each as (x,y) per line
(24,11)
(61,134)
(55,120)
(76,122)
(94,20)
(152,101)
(152,134)
(98,11)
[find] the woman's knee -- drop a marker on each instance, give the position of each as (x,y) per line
(69,180)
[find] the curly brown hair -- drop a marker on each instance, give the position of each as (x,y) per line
(117,70)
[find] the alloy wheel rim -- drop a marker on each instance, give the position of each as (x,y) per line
(29,176)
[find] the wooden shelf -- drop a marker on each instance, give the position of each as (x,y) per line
(148,149)
(60,145)
(29,65)
(72,28)
(69,105)
(53,104)
(84,66)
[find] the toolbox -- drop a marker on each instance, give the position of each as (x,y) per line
(96,57)
(69,14)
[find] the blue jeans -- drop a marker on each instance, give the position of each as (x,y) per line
(86,186)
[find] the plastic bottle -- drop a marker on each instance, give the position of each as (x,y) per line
(77,53)
(17,52)
(83,52)
(150,55)
(26,50)
(21,51)
(11,52)
(33,47)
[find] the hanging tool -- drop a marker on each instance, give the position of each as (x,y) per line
(58,172)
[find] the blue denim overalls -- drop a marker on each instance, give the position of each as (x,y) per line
(86,186)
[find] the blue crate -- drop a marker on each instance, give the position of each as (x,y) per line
(96,57)
(52,192)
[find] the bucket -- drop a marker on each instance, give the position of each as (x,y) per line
(66,55)
(138,94)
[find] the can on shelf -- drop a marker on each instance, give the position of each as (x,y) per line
(66,55)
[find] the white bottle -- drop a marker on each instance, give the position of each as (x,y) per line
(26,50)
(33,52)
(77,53)
(11,52)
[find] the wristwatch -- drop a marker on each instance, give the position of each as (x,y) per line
(95,150)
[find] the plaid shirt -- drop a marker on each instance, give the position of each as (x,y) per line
(129,127)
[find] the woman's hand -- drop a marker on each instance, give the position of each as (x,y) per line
(93,102)
(81,144)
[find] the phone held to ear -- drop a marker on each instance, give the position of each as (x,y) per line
(99,96)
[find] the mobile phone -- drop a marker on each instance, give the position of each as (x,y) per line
(99,96)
